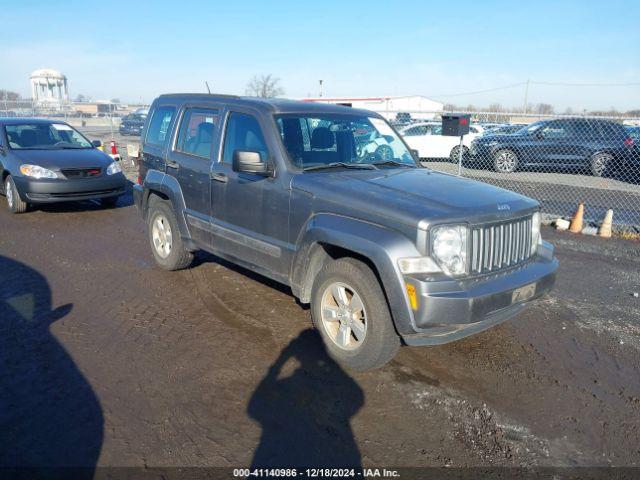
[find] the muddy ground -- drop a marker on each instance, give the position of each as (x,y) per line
(107,360)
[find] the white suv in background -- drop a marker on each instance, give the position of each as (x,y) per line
(427,139)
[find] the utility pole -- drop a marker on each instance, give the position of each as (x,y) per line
(320,81)
(526,97)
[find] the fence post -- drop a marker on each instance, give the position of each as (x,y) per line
(460,155)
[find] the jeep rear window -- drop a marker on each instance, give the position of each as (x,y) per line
(158,131)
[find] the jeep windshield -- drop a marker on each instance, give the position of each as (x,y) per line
(45,136)
(321,142)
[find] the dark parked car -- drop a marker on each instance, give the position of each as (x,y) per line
(45,161)
(504,130)
(597,145)
(383,249)
(132,124)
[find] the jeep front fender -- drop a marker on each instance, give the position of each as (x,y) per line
(382,246)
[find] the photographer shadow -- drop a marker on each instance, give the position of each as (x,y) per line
(305,416)
(50,416)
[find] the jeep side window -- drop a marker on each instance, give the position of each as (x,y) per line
(159,127)
(196,132)
(243,132)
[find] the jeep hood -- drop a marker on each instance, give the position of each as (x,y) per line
(410,195)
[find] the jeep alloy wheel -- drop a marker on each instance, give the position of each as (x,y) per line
(162,236)
(343,316)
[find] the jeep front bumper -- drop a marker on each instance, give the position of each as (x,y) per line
(451,309)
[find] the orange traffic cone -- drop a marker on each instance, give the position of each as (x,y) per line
(577,220)
(605,228)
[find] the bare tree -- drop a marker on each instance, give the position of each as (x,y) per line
(544,109)
(82,98)
(265,86)
(9,95)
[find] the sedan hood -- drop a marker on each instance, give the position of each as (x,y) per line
(410,195)
(68,158)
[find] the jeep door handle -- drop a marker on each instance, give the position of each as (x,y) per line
(219,177)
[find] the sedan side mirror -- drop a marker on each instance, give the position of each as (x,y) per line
(96,143)
(248,161)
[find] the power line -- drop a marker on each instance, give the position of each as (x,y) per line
(564,84)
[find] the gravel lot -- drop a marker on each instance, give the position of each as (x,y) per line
(107,360)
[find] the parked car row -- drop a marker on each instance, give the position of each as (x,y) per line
(598,146)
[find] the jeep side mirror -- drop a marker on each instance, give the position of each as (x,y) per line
(248,161)
(96,143)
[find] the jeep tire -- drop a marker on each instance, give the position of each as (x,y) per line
(164,237)
(349,309)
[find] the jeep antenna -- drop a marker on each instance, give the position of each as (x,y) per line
(208,89)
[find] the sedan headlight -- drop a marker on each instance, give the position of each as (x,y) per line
(37,171)
(449,248)
(535,232)
(114,168)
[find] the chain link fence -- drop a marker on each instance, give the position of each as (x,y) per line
(560,160)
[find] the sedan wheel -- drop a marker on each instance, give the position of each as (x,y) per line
(343,316)
(14,202)
(9,193)
(505,161)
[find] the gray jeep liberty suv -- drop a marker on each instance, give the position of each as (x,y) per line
(330,201)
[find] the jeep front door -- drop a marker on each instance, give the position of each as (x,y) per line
(249,210)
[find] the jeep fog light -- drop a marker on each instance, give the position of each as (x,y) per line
(535,232)
(449,248)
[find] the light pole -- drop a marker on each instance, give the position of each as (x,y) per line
(320,81)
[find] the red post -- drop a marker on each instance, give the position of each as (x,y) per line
(114,150)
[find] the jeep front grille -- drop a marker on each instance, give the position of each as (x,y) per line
(500,245)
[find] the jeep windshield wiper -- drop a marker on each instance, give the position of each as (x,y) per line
(394,163)
(357,166)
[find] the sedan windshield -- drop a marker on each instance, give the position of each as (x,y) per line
(340,141)
(44,136)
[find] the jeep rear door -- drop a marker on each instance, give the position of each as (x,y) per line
(189,161)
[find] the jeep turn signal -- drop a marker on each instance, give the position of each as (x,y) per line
(413,297)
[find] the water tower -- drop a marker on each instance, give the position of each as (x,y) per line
(49,89)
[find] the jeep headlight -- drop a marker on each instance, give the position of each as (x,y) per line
(536,239)
(114,168)
(37,171)
(449,248)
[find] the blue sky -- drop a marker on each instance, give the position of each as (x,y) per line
(137,50)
